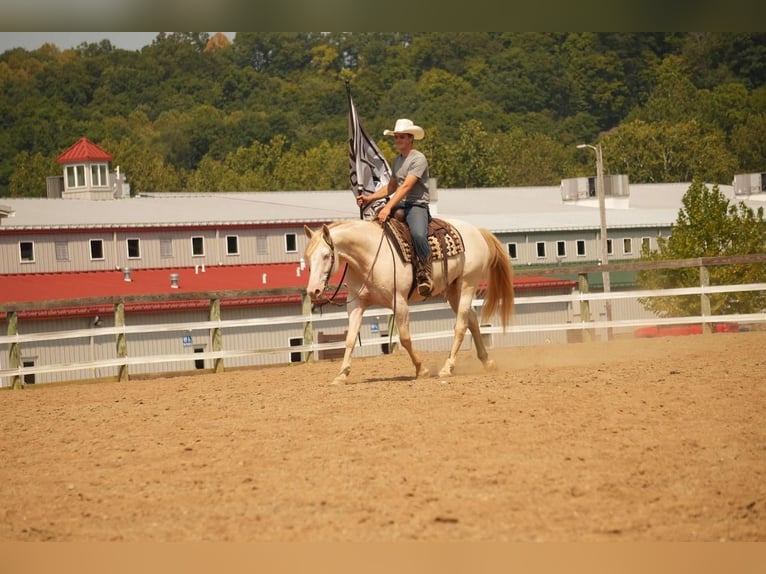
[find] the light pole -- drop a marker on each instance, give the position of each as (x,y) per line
(602,215)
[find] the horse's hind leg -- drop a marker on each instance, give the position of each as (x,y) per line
(460,297)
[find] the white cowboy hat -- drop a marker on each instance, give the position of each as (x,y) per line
(405,126)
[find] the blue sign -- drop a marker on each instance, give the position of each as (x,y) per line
(187,341)
(374,327)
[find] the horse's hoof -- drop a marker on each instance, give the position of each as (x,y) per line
(445,372)
(423,373)
(490,365)
(341,380)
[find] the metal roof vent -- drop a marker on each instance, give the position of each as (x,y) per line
(174,280)
(126,272)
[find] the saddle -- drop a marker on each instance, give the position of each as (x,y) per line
(444,240)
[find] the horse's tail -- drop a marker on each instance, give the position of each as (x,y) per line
(500,286)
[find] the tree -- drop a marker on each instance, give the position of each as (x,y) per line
(29,176)
(707,226)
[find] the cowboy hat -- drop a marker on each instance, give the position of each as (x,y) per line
(405,126)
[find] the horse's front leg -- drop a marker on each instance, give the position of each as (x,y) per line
(355,311)
(403,325)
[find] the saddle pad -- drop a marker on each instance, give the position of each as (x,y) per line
(444,239)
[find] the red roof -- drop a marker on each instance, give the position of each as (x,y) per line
(32,287)
(84,150)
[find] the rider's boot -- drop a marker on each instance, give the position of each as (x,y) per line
(424,276)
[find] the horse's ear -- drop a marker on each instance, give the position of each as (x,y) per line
(308,231)
(326,234)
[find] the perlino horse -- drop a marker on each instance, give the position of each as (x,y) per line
(377,275)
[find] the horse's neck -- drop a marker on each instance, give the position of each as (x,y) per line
(357,242)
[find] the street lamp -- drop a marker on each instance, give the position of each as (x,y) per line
(602,214)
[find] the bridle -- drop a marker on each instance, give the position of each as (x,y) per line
(328,240)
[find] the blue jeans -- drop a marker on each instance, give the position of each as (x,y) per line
(417,217)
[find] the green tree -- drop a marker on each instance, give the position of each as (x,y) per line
(708,226)
(30,174)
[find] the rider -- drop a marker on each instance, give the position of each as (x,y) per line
(408,190)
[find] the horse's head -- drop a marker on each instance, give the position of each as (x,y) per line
(320,257)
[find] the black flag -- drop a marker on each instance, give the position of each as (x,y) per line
(369,170)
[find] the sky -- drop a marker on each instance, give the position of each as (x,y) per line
(64,40)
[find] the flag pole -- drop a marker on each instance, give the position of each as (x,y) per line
(351,141)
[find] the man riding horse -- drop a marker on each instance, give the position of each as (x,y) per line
(408,191)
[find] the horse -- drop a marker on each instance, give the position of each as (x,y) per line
(377,275)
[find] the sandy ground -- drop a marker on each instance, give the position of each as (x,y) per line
(631,440)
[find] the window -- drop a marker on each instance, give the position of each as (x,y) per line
(29,378)
(199,363)
(296,356)
(261,245)
(75,176)
(96,249)
(561,248)
(232,245)
(62,250)
(540,249)
(98,176)
(134,248)
(580,248)
(627,246)
(646,244)
(198,246)
(609,249)
(291,243)
(27,251)
(166,248)
(513,251)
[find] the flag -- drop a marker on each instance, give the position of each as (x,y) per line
(368,168)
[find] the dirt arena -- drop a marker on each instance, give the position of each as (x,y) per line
(631,440)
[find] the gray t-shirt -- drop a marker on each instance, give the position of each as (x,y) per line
(414,164)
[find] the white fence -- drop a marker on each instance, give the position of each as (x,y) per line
(312,321)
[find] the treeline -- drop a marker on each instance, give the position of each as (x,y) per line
(268,111)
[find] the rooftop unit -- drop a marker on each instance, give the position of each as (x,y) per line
(577,188)
(749,183)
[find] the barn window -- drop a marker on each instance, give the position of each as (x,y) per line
(581,248)
(609,249)
(96,249)
(627,246)
(27,251)
(232,245)
(540,249)
(134,248)
(513,251)
(646,244)
(561,248)
(198,246)
(291,242)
